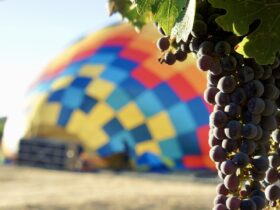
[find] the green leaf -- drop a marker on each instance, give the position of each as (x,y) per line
(127,11)
(166,13)
(184,24)
(264,42)
(144,6)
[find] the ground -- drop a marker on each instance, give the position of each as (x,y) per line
(23,188)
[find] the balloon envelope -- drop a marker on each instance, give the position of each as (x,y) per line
(109,93)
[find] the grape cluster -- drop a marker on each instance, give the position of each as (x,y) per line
(244,131)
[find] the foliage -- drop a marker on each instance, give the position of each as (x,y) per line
(264,41)
(176,17)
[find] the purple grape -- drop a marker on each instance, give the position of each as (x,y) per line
(223,48)
(256,105)
(222,99)
(205,62)
(228,167)
(229,145)
(233,203)
(232,110)
(233,129)
(163,43)
(249,131)
(228,63)
(217,154)
(221,189)
(272,192)
(218,119)
(231,182)
(240,159)
(206,48)
(260,162)
(271,175)
(227,84)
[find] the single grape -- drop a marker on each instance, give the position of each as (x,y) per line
(228,63)
(227,84)
(240,159)
(271,175)
(163,43)
(272,192)
(229,145)
(169,58)
(223,48)
(205,62)
(260,162)
(233,129)
(222,99)
(232,110)
(256,105)
(206,48)
(233,203)
(231,182)
(181,55)
(249,131)
(218,119)
(217,154)
(228,167)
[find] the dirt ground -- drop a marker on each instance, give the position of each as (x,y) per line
(23,188)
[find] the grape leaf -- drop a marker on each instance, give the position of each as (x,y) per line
(264,42)
(184,23)
(126,10)
(145,5)
(166,13)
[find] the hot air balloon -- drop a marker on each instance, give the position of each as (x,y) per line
(108,94)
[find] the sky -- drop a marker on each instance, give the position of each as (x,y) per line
(33,32)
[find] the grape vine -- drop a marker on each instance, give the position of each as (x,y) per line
(240,53)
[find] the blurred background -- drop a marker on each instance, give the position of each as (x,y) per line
(90,120)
